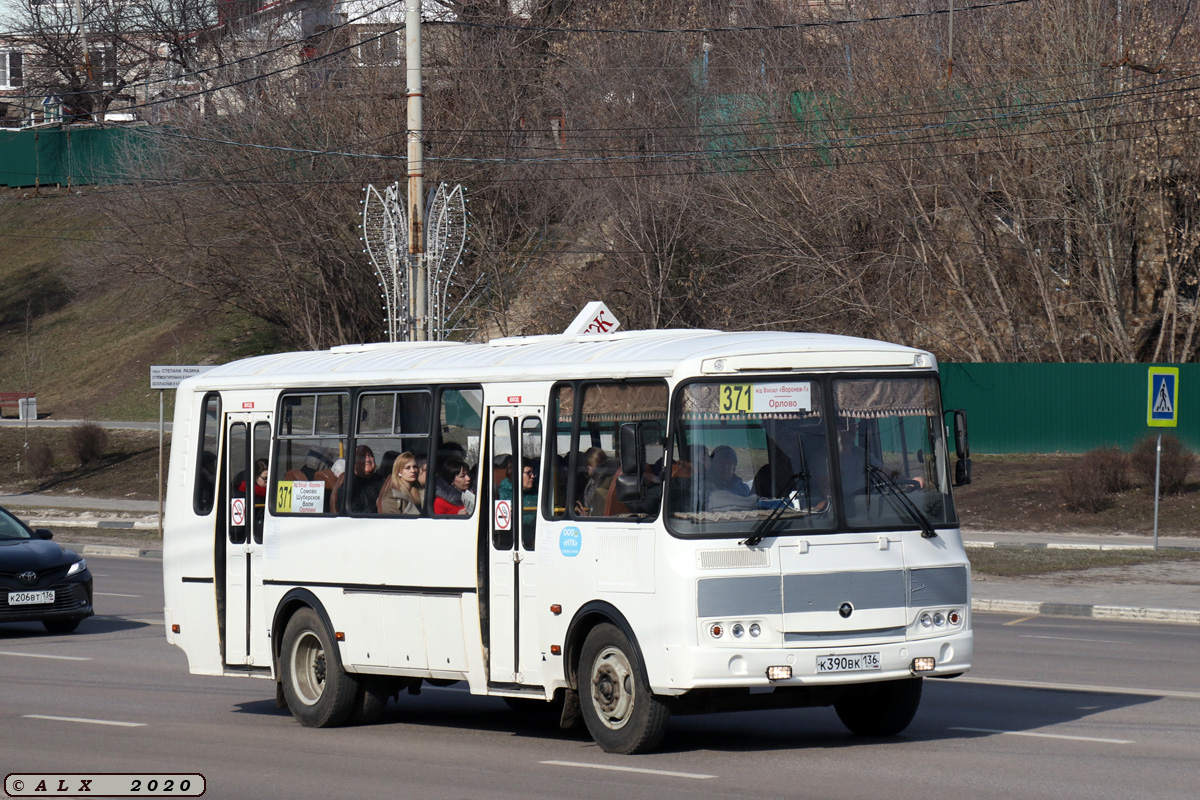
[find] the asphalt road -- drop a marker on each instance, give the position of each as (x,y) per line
(1060,708)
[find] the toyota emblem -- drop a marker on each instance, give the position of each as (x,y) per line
(27,578)
(845,609)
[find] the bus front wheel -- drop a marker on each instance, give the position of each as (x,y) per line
(319,693)
(880,709)
(617,706)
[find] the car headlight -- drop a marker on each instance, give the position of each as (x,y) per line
(78,566)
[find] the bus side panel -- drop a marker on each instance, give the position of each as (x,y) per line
(364,646)
(405,631)
(444,635)
(188,580)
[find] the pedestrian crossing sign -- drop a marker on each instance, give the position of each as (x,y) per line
(1162,409)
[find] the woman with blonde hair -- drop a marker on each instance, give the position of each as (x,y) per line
(401,494)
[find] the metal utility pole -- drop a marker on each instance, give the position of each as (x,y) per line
(418,294)
(950,47)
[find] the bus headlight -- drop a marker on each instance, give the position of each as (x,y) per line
(926,620)
(755,629)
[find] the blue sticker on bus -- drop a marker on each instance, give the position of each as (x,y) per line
(569,541)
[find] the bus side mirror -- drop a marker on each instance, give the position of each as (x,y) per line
(962,449)
(961,446)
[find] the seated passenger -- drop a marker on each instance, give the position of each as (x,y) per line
(452,486)
(365,483)
(401,495)
(594,481)
(260,481)
(528,494)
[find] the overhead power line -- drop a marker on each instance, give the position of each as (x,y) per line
(784,26)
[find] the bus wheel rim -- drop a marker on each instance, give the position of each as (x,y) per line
(612,688)
(308,668)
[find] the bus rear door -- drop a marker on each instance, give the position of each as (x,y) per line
(516,441)
(247,449)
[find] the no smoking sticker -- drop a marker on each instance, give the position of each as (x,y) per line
(503,512)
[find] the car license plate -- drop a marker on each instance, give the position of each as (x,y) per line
(855,662)
(30,598)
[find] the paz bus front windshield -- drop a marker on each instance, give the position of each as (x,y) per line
(781,455)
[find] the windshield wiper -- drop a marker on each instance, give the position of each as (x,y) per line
(767,525)
(900,501)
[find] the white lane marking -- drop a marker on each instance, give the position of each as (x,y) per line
(113,594)
(39,655)
(1070,639)
(89,721)
(1047,735)
(1080,687)
(667,773)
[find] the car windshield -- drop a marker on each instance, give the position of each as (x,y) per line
(10,528)
(770,456)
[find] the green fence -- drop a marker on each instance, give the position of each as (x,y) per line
(1064,408)
(68,156)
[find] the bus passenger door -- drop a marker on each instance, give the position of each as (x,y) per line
(247,447)
(514,655)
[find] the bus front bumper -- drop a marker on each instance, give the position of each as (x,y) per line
(714,667)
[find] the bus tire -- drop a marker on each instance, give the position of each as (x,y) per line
(371,699)
(880,709)
(618,708)
(319,693)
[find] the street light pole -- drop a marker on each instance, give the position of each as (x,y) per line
(418,282)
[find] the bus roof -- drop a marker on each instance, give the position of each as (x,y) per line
(625,354)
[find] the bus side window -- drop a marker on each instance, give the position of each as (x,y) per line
(557,464)
(310,445)
(205,490)
(390,424)
(453,483)
(531,451)
(606,407)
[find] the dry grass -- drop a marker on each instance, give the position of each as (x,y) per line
(128,467)
(1020,493)
(1018,561)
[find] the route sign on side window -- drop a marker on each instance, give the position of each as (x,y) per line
(1162,406)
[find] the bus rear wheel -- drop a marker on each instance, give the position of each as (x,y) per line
(617,706)
(880,709)
(319,693)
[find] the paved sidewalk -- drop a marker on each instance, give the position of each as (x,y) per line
(1159,592)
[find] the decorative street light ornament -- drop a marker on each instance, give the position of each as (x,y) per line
(385,234)
(445,239)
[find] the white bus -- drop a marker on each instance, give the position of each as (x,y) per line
(705,521)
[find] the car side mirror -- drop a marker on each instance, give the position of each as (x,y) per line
(42,533)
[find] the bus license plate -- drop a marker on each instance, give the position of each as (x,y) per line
(855,662)
(30,598)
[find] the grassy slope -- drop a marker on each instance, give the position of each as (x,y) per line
(88,353)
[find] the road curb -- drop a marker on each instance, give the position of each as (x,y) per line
(85,522)
(1069,546)
(1123,613)
(115,551)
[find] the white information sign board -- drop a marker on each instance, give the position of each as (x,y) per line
(169,377)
